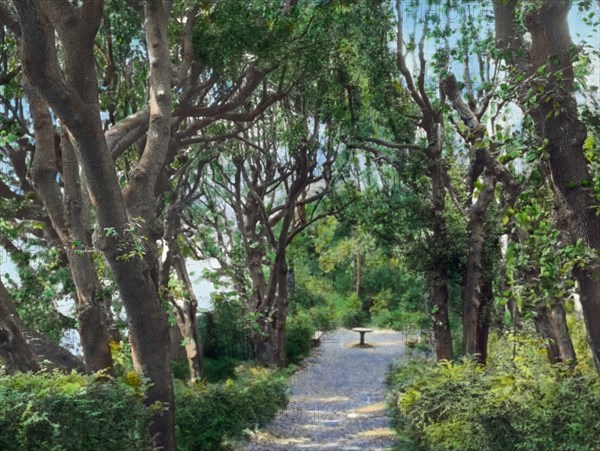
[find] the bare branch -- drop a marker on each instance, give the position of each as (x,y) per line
(122,128)
(454,196)
(392,145)
(401,58)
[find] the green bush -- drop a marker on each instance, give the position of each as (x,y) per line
(304,298)
(299,331)
(77,412)
(355,318)
(400,320)
(217,370)
(209,415)
(225,330)
(518,404)
(323,317)
(72,412)
(180,369)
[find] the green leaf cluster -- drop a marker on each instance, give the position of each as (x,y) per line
(71,412)
(514,403)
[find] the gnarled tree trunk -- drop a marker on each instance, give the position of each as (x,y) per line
(474,299)
(65,212)
(485,319)
(543,326)
(556,118)
(23,350)
(432,124)
(438,278)
(74,100)
(551,324)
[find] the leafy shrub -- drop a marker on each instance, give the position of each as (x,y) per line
(400,320)
(225,330)
(79,412)
(301,296)
(355,318)
(180,369)
(72,412)
(520,403)
(217,370)
(299,331)
(323,317)
(208,415)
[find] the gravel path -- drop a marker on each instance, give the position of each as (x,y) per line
(338,398)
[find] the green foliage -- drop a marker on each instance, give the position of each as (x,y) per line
(43,281)
(400,319)
(355,318)
(180,369)
(217,370)
(208,415)
(230,28)
(517,402)
(302,297)
(225,330)
(539,265)
(299,331)
(87,412)
(323,317)
(72,412)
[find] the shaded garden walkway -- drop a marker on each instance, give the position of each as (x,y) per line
(338,398)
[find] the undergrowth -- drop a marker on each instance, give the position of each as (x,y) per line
(59,412)
(517,402)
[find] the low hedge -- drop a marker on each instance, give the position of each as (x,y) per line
(71,412)
(84,412)
(518,404)
(207,416)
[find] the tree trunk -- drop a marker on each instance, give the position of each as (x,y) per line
(264,341)
(15,352)
(511,306)
(438,281)
(441,323)
(485,319)
(65,212)
(561,331)
(186,306)
(473,302)
(515,313)
(269,341)
(439,275)
(177,351)
(282,296)
(433,124)
(551,324)
(54,356)
(556,118)
(475,312)
(357,276)
(74,100)
(543,326)
(186,320)
(23,349)
(149,337)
